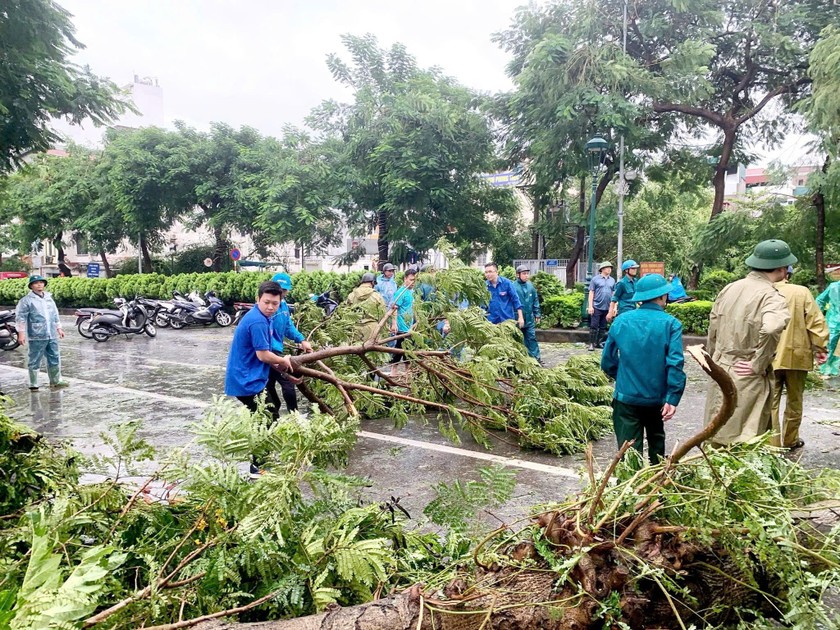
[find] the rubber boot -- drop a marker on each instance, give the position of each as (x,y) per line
(33,379)
(55,376)
(592,335)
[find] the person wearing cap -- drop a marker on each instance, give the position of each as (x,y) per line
(504,300)
(745,324)
(622,297)
(829,303)
(644,354)
(805,337)
(531,314)
(386,284)
(600,295)
(282,328)
(370,304)
(36,317)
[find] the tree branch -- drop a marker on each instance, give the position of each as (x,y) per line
(712,117)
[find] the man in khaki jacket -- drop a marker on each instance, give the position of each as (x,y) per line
(371,306)
(746,321)
(806,335)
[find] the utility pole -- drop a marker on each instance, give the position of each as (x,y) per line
(622,183)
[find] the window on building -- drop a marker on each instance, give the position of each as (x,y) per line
(82,246)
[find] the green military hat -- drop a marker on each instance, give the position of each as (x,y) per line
(651,287)
(604,265)
(37,278)
(771,254)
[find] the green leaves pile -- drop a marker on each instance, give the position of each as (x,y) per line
(198,537)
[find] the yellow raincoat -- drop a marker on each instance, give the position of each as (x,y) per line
(372,308)
(806,333)
(745,324)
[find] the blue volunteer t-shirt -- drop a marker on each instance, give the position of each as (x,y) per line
(504,301)
(246,375)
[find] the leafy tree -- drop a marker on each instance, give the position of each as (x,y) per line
(295,190)
(38,83)
(48,195)
(150,173)
(823,113)
(415,143)
(692,71)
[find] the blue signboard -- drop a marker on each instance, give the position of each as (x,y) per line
(93,270)
(552,262)
(235,254)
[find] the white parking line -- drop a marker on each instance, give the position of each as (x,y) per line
(498,459)
(429,446)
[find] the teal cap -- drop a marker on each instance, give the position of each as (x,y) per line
(283,279)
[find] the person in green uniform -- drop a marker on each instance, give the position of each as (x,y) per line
(622,297)
(530,310)
(644,354)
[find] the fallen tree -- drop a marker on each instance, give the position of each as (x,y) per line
(714,540)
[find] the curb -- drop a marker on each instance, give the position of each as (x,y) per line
(578,335)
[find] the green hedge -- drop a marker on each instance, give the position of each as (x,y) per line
(713,281)
(562,311)
(694,316)
(229,286)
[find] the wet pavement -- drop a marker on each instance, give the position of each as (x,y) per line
(168,381)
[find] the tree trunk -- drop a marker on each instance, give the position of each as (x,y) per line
(105,264)
(219,247)
(694,278)
(147,257)
(389,613)
(382,240)
(535,235)
(580,236)
(719,180)
(819,238)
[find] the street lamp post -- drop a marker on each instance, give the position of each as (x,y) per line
(595,150)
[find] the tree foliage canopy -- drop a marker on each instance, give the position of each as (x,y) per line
(37,82)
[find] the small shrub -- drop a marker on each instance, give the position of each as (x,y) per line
(713,281)
(694,316)
(547,285)
(562,311)
(701,295)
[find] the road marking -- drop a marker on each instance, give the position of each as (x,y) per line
(429,446)
(498,459)
(191,402)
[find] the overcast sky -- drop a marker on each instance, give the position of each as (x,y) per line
(262,62)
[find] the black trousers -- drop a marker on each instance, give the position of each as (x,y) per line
(598,326)
(396,358)
(287,390)
(633,422)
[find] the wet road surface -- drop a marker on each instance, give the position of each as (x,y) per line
(168,381)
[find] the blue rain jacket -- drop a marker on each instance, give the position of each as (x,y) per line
(644,354)
(386,287)
(282,327)
(39,315)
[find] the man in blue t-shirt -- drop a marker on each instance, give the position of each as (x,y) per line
(250,357)
(504,300)
(282,327)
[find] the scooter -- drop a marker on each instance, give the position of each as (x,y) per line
(133,319)
(166,308)
(84,315)
(213,312)
(325,301)
(8,331)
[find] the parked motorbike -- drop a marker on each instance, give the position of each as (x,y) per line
(325,301)
(133,318)
(191,313)
(239,311)
(84,315)
(8,331)
(167,308)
